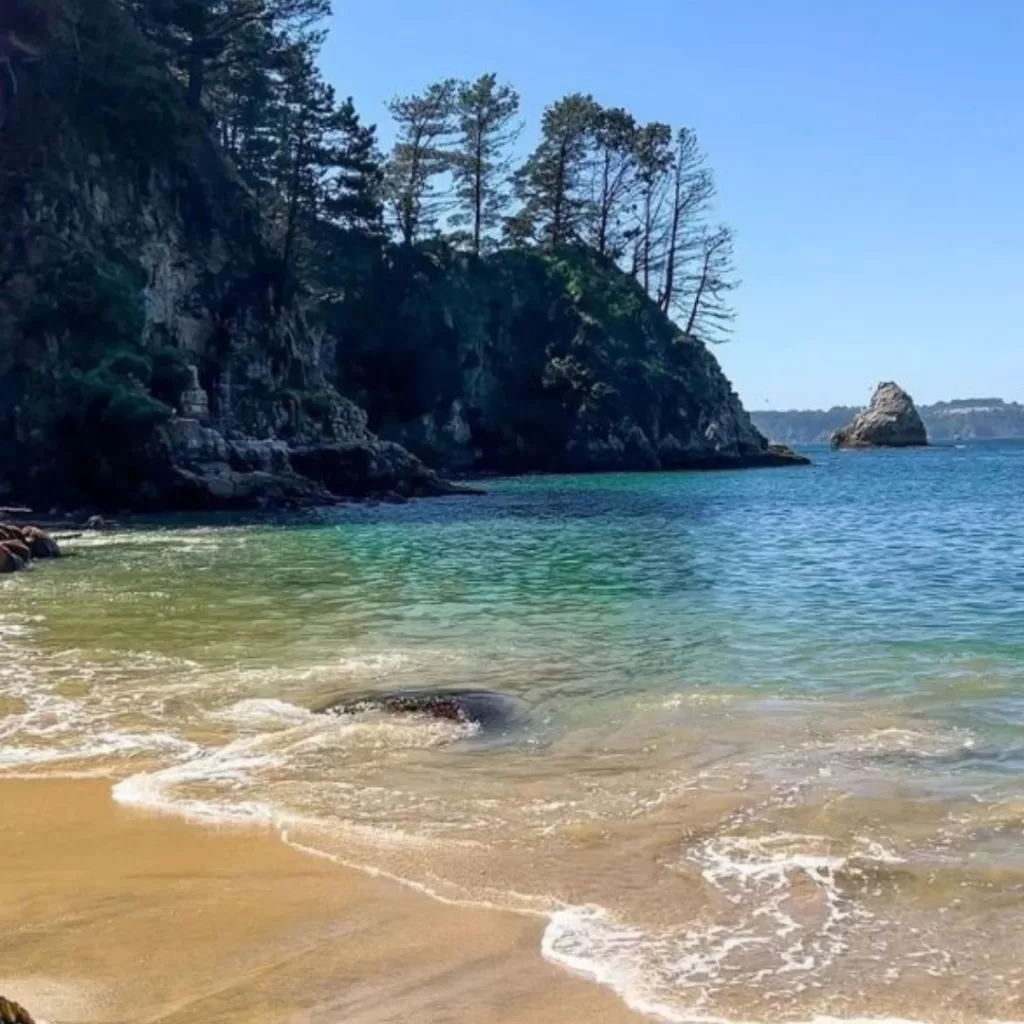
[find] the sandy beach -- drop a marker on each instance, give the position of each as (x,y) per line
(109,914)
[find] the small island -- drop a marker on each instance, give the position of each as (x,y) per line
(890,421)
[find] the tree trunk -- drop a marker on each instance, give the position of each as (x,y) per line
(291,231)
(695,309)
(647,244)
(559,199)
(670,263)
(605,211)
(478,194)
(196,74)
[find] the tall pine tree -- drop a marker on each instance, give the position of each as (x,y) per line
(481,164)
(614,183)
(551,184)
(421,156)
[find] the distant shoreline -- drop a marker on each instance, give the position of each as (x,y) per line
(957,421)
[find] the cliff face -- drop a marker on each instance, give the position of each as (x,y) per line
(151,351)
(529,361)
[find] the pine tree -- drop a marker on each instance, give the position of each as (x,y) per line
(692,191)
(551,184)
(204,37)
(614,181)
(422,154)
(327,167)
(353,197)
(711,314)
(487,125)
(654,163)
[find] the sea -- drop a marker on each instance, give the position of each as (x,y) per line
(763,755)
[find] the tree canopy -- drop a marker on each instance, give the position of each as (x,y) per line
(640,194)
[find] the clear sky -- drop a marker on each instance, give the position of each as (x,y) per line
(869,154)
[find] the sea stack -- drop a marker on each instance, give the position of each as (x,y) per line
(890,421)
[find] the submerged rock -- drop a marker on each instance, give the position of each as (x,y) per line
(489,710)
(12,1013)
(890,421)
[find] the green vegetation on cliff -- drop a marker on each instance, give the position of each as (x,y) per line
(196,262)
(539,359)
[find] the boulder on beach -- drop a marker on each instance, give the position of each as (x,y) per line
(890,421)
(12,1013)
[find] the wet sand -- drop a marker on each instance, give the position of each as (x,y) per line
(109,915)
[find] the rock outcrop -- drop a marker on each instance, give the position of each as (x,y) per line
(12,1013)
(890,421)
(534,361)
(20,544)
(153,353)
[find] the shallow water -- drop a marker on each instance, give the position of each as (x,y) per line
(769,763)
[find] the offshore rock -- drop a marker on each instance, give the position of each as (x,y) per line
(890,421)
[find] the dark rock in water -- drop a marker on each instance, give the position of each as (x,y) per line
(890,421)
(491,711)
(96,523)
(9,562)
(17,548)
(371,468)
(40,543)
(12,1013)
(782,455)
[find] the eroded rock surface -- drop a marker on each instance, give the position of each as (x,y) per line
(890,421)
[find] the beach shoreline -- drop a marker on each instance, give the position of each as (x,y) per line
(109,914)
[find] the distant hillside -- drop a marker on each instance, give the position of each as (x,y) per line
(963,418)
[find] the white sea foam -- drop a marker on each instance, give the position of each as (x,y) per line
(589,941)
(263,713)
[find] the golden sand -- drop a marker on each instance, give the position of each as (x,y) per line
(111,915)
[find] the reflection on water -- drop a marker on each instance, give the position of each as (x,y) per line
(770,757)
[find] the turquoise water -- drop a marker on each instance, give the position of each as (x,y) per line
(769,763)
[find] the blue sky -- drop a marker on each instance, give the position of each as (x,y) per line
(869,154)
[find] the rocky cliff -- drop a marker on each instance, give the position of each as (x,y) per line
(534,361)
(152,354)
